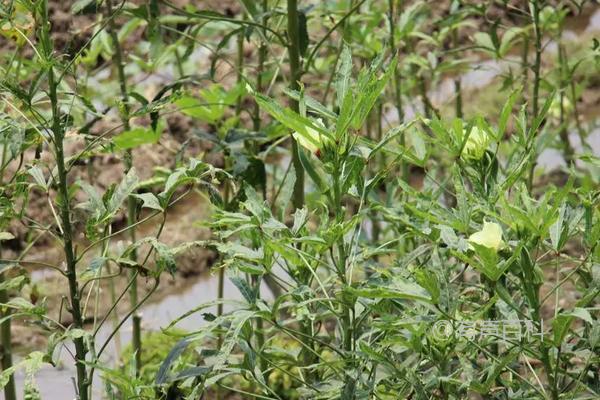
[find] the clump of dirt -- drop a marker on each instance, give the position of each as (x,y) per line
(69,32)
(179,126)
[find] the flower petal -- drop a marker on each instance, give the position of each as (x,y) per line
(489,236)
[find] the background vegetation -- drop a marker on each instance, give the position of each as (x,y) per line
(271,199)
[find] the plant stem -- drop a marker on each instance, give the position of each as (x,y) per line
(131,202)
(533,288)
(491,313)
(381,163)
(538,57)
(221,280)
(115,313)
(298,193)
(6,343)
(404,167)
(66,229)
(221,276)
(81,349)
(240,69)
(260,338)
(295,75)
(347,318)
(293,32)
(10,392)
(525,63)
(262,57)
(545,357)
(536,76)
(397,75)
(426,103)
(563,71)
(457,82)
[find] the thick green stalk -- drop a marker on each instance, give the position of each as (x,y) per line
(298,194)
(260,338)
(6,343)
(238,110)
(536,76)
(545,353)
(136,318)
(381,163)
(458,102)
(262,57)
(81,349)
(221,281)
(5,329)
(533,290)
(226,195)
(220,294)
(295,73)
(131,202)
(65,228)
(538,58)
(427,107)
(525,64)
(491,313)
(221,276)
(240,69)
(564,135)
(404,168)
(572,83)
(347,319)
(393,50)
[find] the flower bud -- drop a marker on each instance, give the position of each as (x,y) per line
(476,145)
(554,109)
(315,140)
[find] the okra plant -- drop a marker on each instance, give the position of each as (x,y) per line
(363,199)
